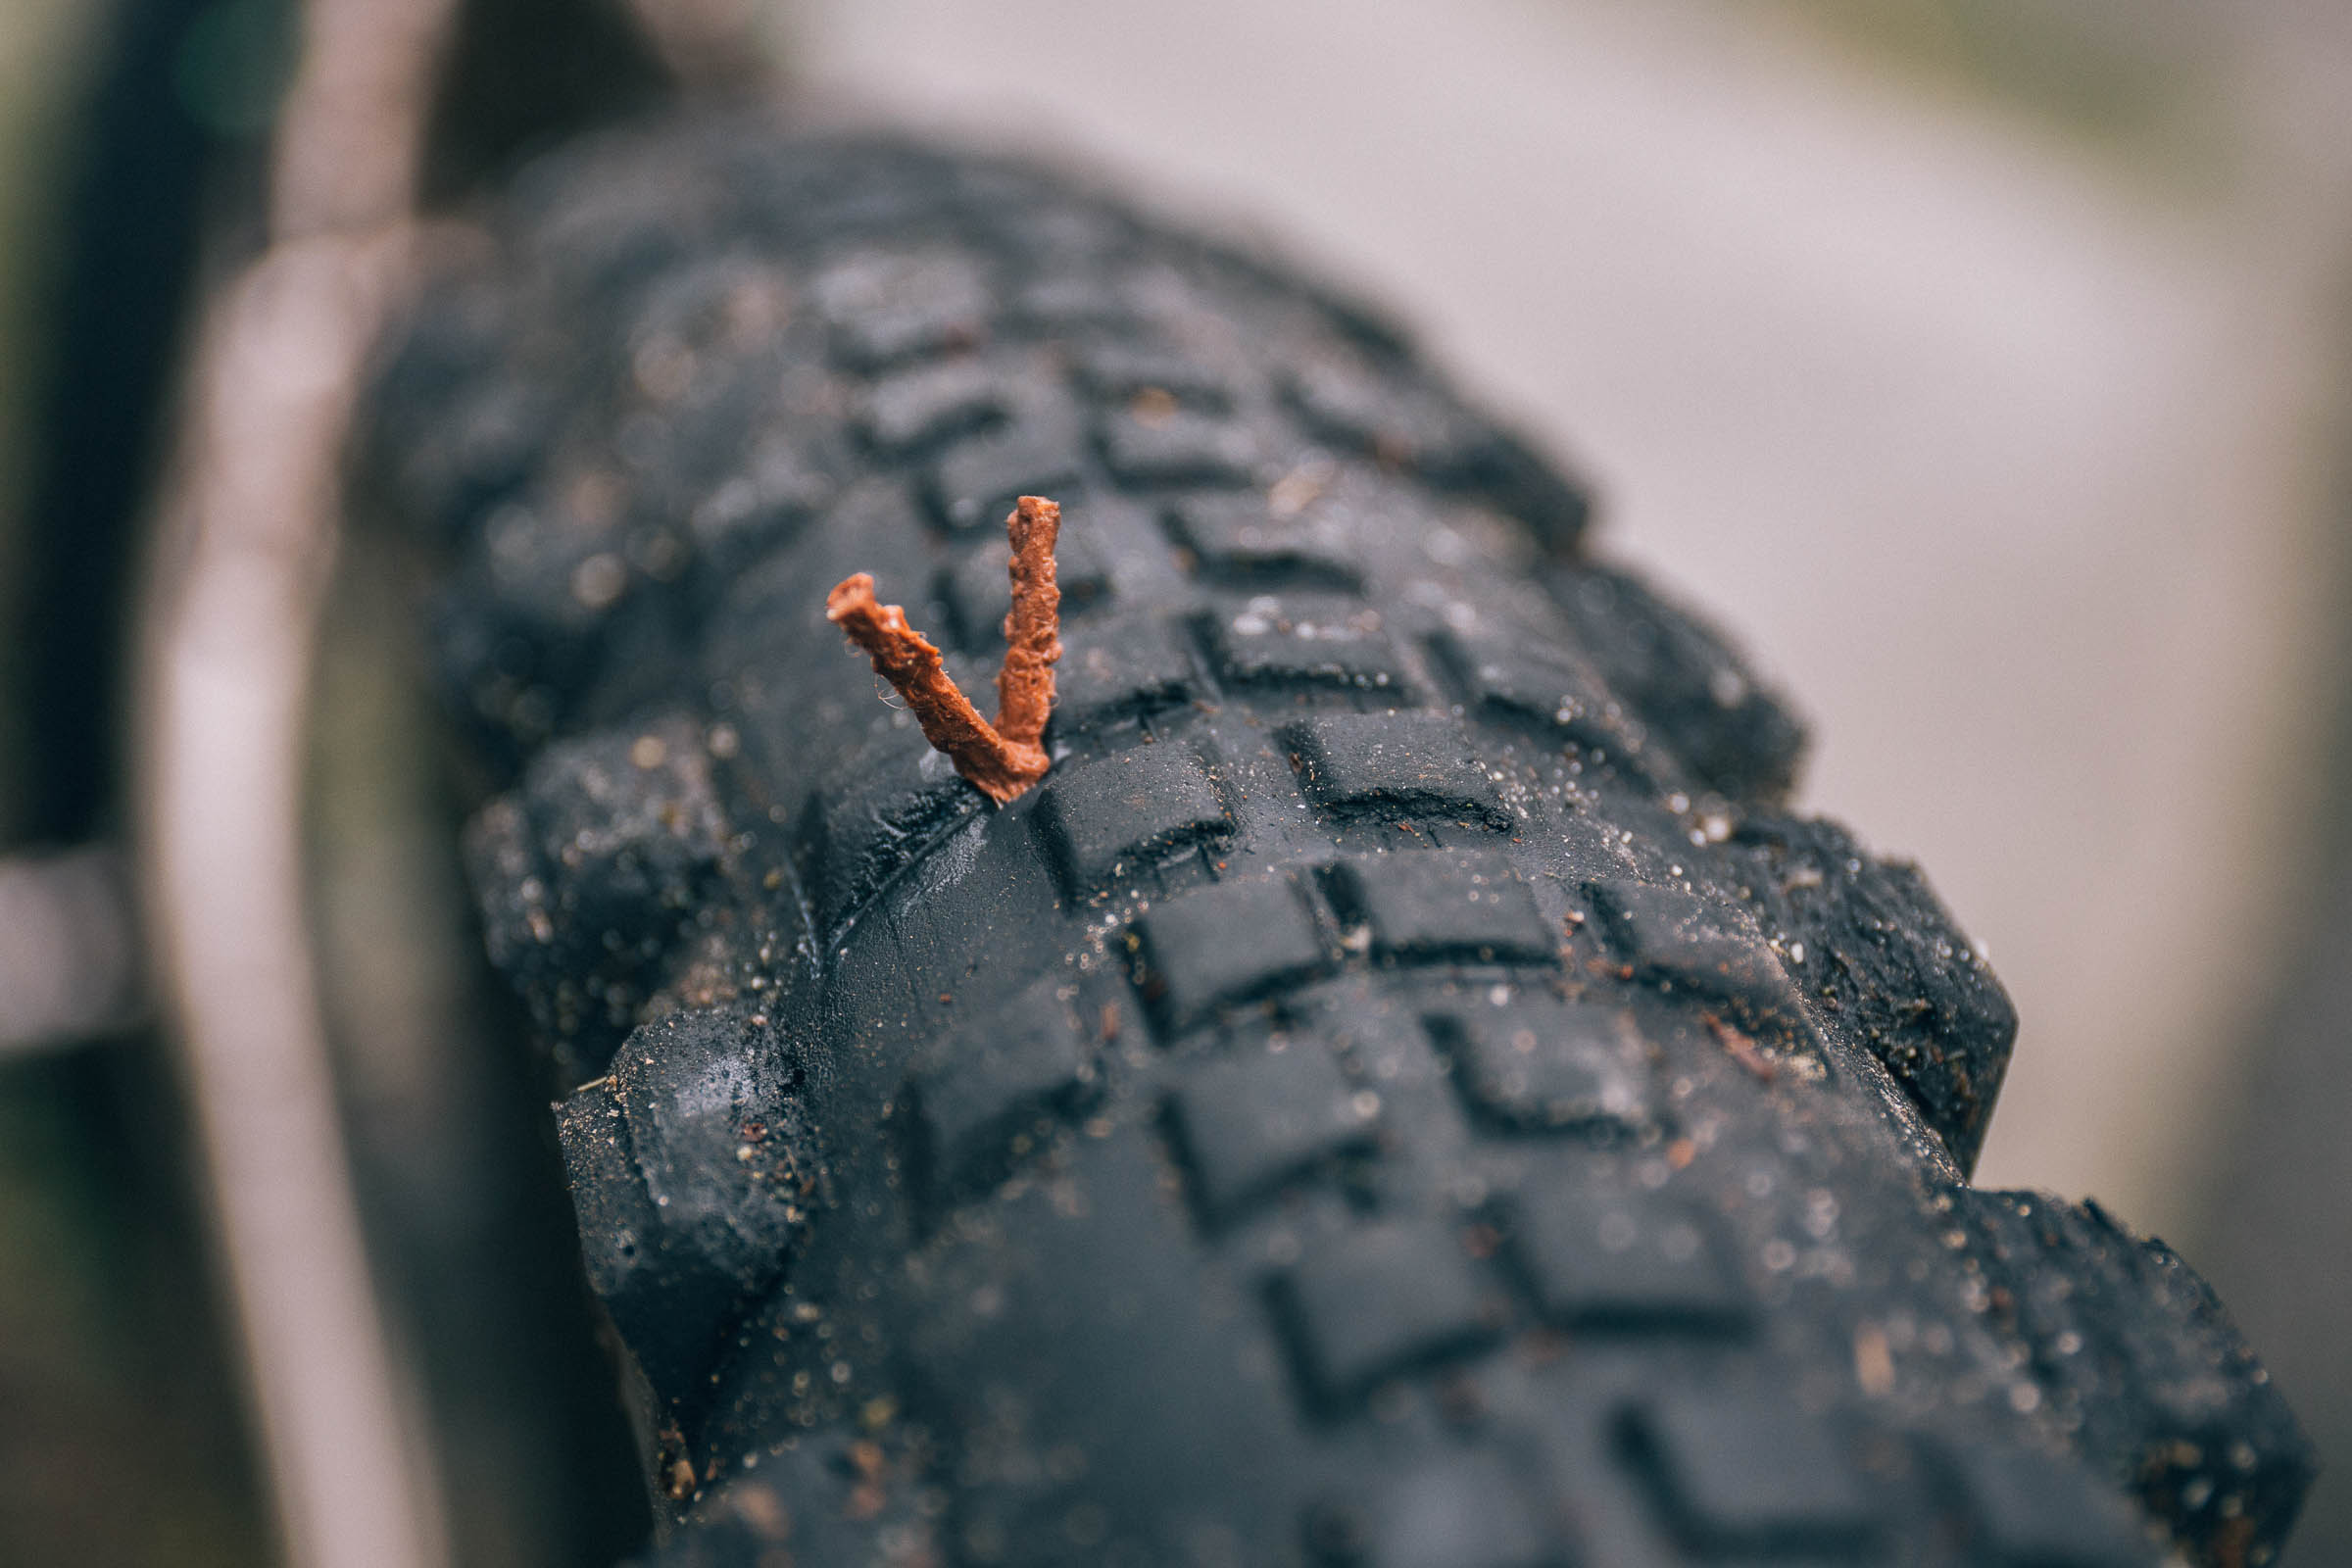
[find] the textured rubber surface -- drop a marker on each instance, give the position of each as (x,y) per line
(1403,1091)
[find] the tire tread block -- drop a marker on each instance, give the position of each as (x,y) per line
(1631,1263)
(1229,941)
(1736,1472)
(1350,405)
(916,408)
(1693,693)
(1403,764)
(1427,907)
(1115,372)
(1113,672)
(1252,1122)
(886,308)
(1122,812)
(1530,681)
(1238,542)
(1182,447)
(1384,1299)
(1545,1065)
(1306,643)
(1673,937)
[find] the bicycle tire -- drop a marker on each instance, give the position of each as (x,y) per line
(1406,1090)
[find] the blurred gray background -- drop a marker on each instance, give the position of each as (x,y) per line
(1982,365)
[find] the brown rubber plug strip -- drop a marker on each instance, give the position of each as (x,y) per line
(1004,759)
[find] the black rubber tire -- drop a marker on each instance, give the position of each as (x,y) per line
(1403,1091)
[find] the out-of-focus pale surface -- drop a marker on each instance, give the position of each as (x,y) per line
(67,966)
(2005,458)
